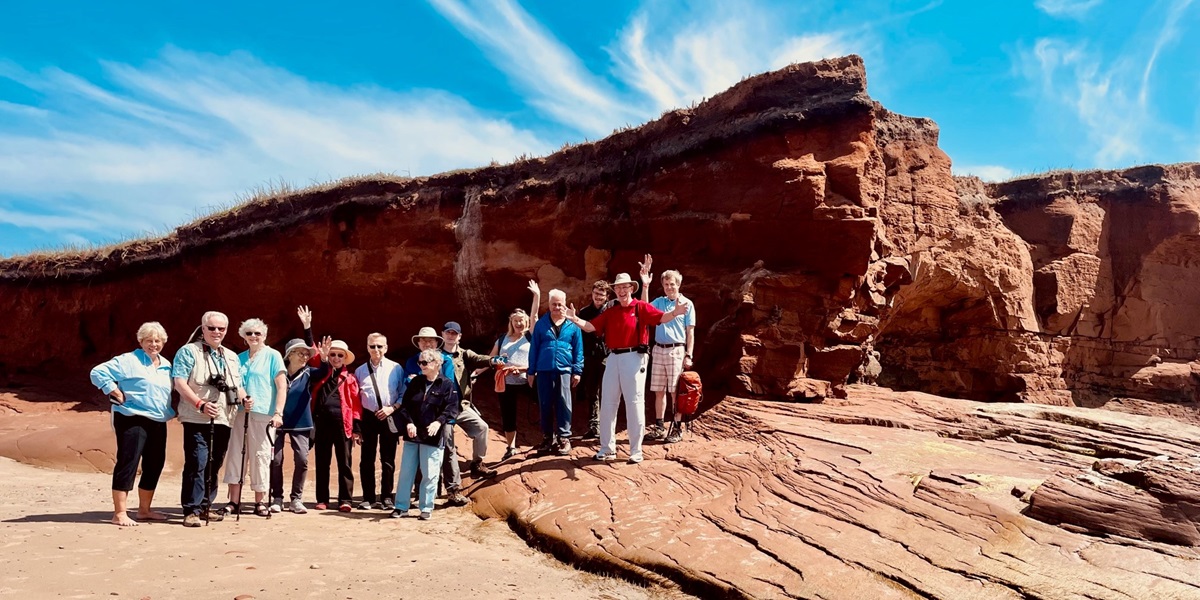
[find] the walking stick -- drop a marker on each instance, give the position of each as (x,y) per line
(206,503)
(245,440)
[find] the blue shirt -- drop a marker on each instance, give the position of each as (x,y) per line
(147,388)
(675,330)
(258,378)
(186,361)
(390,376)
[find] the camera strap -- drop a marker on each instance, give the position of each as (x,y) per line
(378,398)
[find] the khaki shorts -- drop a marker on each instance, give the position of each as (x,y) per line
(666,367)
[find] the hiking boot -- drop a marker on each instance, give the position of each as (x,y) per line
(192,520)
(592,434)
(388,504)
(656,433)
(547,446)
(509,453)
(298,507)
(212,516)
(455,498)
(564,448)
(424,515)
(478,471)
(676,434)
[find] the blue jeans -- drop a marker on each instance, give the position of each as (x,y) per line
(430,460)
(554,403)
(195,458)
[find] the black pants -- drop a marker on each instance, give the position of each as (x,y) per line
(589,389)
(329,437)
(138,439)
(196,456)
(375,433)
(510,400)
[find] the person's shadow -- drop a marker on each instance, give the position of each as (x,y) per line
(92,516)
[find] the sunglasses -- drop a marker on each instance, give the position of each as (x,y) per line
(214,328)
(376,346)
(254,333)
(336,355)
(424,362)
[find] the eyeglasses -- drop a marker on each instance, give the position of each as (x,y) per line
(336,355)
(254,333)
(214,328)
(424,362)
(376,346)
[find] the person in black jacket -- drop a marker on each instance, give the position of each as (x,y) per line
(430,402)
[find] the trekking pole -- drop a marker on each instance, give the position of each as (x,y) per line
(271,443)
(206,503)
(242,481)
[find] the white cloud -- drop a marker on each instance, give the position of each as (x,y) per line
(554,79)
(710,49)
(1110,98)
(151,146)
(686,56)
(1074,9)
(986,172)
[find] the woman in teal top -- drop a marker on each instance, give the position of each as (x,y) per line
(138,384)
(264,379)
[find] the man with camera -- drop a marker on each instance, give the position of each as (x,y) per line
(207,376)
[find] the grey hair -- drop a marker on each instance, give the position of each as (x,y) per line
(376,335)
(559,293)
(151,329)
(211,314)
(672,274)
(434,356)
(249,324)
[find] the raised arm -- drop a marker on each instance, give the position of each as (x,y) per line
(306,320)
(571,316)
(537,300)
(647,276)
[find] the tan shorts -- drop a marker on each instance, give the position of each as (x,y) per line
(665,369)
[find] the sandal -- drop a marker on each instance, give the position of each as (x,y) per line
(232,508)
(260,509)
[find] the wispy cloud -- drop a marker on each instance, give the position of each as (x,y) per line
(553,77)
(710,49)
(686,56)
(148,146)
(986,172)
(1111,98)
(1073,9)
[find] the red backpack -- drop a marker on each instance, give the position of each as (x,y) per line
(688,393)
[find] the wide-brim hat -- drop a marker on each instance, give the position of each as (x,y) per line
(428,332)
(294,344)
(623,279)
(340,345)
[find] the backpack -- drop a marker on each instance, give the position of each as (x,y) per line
(688,393)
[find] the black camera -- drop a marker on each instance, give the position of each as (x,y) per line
(218,381)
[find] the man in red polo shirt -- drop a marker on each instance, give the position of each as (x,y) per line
(625,328)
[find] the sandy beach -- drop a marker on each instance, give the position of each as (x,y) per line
(58,542)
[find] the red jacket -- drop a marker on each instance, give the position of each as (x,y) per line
(351,401)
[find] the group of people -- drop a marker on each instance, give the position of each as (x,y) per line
(238,409)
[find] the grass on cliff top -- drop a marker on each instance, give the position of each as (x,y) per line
(272,192)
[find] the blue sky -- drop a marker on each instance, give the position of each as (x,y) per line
(119,119)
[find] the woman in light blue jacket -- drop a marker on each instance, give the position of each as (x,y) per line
(138,384)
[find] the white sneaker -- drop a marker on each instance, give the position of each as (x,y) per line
(604,456)
(277,505)
(298,507)
(635,459)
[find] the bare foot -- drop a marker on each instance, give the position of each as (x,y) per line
(153,515)
(123,520)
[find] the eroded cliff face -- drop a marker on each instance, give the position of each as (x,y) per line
(767,198)
(1069,288)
